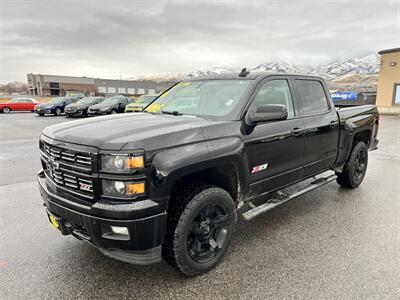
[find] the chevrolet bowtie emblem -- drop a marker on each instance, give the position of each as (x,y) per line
(53,164)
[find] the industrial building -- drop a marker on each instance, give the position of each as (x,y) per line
(56,85)
(388,98)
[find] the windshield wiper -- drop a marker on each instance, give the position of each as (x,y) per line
(173,112)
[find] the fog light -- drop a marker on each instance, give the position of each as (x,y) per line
(119,230)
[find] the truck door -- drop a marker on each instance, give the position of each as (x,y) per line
(275,149)
(321,125)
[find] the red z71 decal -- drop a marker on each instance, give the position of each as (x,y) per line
(259,168)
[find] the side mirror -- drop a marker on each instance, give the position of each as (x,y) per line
(268,112)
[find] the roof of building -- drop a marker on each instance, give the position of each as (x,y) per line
(389,51)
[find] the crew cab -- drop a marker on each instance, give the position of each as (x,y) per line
(170,182)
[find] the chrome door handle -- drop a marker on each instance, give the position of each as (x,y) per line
(333,124)
(296,131)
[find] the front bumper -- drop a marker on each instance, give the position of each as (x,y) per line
(142,246)
(44,111)
(98,113)
(77,113)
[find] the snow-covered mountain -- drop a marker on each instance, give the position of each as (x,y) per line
(281,67)
(368,64)
(365,65)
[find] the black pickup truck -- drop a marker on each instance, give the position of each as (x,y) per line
(170,181)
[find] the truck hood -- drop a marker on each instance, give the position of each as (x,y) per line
(129,132)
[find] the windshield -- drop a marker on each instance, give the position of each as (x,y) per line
(87,100)
(111,101)
(215,98)
(57,100)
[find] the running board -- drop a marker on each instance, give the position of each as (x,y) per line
(274,202)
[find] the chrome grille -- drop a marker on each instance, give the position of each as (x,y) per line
(68,156)
(69,169)
(69,180)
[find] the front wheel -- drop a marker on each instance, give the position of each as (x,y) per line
(201,223)
(6,110)
(58,112)
(113,112)
(355,168)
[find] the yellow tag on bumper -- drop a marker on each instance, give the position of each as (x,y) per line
(54,222)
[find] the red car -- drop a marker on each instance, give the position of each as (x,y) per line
(18,104)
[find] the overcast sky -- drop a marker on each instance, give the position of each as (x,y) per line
(110,39)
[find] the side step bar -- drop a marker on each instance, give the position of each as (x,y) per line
(283,198)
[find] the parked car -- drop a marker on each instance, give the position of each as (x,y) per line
(170,183)
(140,103)
(74,94)
(80,108)
(56,106)
(112,105)
(18,104)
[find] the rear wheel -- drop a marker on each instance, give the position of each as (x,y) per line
(355,168)
(58,111)
(6,110)
(200,227)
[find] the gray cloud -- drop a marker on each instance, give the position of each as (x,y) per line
(129,38)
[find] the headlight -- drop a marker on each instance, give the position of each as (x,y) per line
(104,108)
(121,163)
(122,189)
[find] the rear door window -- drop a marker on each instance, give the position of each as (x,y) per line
(312,97)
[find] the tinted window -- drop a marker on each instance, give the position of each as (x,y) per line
(275,92)
(313,98)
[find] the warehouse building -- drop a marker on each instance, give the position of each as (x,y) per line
(388,97)
(56,85)
(125,87)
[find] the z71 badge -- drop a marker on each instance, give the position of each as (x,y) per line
(259,168)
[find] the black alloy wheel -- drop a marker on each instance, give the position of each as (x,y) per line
(208,233)
(200,226)
(355,168)
(360,165)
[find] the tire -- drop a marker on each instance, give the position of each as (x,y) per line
(113,112)
(58,112)
(6,110)
(41,115)
(355,168)
(201,223)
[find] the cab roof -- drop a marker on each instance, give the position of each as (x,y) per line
(250,76)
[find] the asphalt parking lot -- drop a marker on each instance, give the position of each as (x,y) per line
(331,243)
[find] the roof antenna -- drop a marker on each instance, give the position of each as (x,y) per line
(244,73)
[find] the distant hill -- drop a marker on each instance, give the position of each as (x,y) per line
(358,73)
